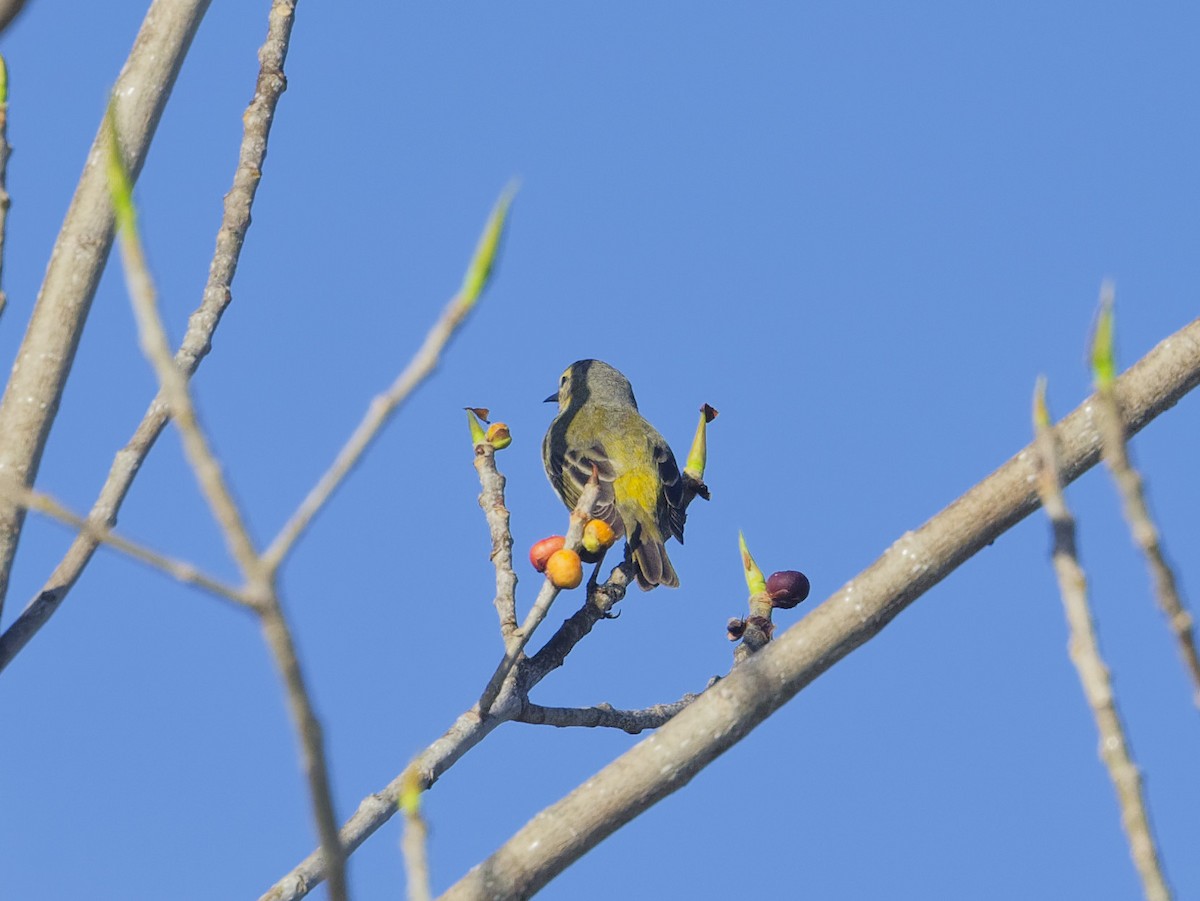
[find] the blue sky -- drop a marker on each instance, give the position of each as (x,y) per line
(860,231)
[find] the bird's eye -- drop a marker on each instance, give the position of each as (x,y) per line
(563,381)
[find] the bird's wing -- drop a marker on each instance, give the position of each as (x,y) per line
(574,473)
(671,513)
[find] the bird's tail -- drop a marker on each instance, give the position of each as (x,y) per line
(651,564)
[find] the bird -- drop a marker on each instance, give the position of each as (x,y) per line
(641,492)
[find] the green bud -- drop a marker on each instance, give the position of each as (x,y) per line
(755,580)
(1104,363)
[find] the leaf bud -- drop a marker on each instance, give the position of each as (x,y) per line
(498,436)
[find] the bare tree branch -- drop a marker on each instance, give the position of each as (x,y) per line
(179,570)
(600,600)
(1093,674)
(631,721)
(33,392)
(197,341)
(722,716)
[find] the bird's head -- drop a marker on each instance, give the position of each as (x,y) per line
(592,380)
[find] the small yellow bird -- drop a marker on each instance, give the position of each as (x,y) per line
(641,494)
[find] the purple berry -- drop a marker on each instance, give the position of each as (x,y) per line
(787,589)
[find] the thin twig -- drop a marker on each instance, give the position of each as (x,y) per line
(197,341)
(1133,496)
(311,739)
(541,605)
(491,500)
(414,842)
(1093,674)
(416,862)
(382,408)
(377,416)
(605,715)
(235,219)
(179,570)
(43,362)
(673,755)
(596,607)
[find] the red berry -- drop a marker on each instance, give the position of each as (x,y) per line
(540,552)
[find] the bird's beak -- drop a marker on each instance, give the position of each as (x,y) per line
(552,398)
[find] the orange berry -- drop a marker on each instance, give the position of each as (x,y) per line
(597,536)
(564,569)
